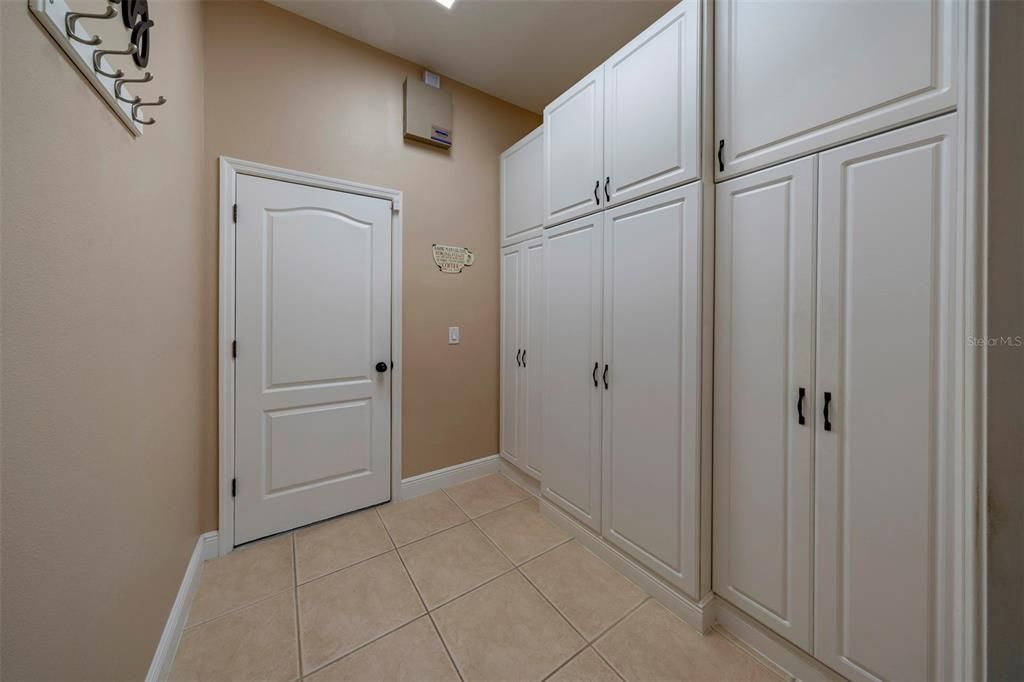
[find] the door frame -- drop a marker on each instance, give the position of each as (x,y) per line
(230,169)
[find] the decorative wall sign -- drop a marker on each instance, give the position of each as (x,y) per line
(452,259)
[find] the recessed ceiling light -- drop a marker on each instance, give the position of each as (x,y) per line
(447,3)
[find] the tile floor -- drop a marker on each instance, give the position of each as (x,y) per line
(466,583)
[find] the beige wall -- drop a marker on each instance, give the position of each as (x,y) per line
(288,92)
(108,372)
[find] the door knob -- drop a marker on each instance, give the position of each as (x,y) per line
(382,366)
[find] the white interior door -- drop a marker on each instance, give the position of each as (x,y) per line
(652,108)
(533,353)
(511,354)
(796,77)
(571,422)
(764,406)
(651,382)
(313,319)
(573,150)
(884,458)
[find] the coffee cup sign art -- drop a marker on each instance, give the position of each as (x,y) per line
(452,259)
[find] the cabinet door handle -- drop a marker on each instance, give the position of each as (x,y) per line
(607,197)
(605,377)
(824,412)
(518,351)
(594,375)
(597,199)
(800,406)
(524,357)
(721,147)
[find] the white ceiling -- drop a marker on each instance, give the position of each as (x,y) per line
(524,51)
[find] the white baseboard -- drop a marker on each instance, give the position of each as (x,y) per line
(700,615)
(160,668)
(519,477)
(786,657)
(442,478)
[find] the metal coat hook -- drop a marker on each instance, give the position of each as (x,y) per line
(71,18)
(119,84)
(97,55)
(149,121)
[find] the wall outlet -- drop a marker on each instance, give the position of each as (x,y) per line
(453,335)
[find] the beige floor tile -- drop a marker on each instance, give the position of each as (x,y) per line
(589,592)
(243,577)
(412,653)
(421,516)
(349,608)
(483,495)
(257,642)
(520,531)
(505,630)
(339,543)
(652,644)
(451,563)
(586,667)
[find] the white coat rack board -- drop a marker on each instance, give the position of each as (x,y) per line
(74,32)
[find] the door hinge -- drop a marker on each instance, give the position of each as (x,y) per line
(234,213)
(234,487)
(234,349)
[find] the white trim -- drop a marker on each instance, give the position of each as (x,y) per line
(793,661)
(699,615)
(229,169)
(160,667)
(443,478)
(519,477)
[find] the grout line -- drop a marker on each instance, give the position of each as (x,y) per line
(566,662)
(295,595)
(622,618)
(405,568)
(366,644)
(445,645)
(235,609)
(430,535)
(522,499)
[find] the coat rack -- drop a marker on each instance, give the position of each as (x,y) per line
(70,29)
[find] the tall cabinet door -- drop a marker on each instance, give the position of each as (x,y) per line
(522,188)
(533,354)
(764,407)
(573,150)
(651,382)
(652,108)
(511,354)
(884,442)
(793,78)
(571,414)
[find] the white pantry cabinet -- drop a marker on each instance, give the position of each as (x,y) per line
(793,78)
(631,127)
(522,189)
(571,412)
(652,108)
(522,283)
(574,150)
(884,464)
(651,382)
(764,395)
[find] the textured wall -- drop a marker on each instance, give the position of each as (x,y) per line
(108,372)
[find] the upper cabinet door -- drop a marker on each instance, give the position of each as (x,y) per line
(522,189)
(796,77)
(571,415)
(573,151)
(885,458)
(511,354)
(651,382)
(652,108)
(764,411)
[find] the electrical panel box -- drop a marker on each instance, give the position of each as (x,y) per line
(428,113)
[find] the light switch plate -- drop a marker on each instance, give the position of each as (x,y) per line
(453,335)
